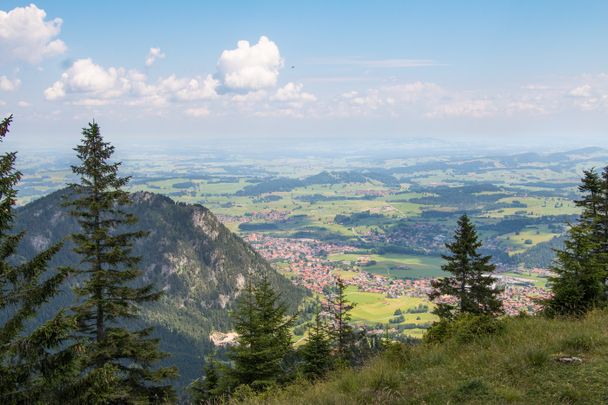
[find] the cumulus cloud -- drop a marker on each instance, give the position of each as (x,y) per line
(198,112)
(26,35)
(464,108)
(88,83)
(199,89)
(581,91)
(246,77)
(91,79)
(250,67)
(23,104)
(7,84)
(292,93)
(153,55)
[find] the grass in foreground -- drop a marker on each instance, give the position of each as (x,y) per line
(518,366)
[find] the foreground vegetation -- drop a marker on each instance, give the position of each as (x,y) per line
(520,364)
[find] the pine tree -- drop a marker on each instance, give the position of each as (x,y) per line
(468,283)
(579,284)
(264,336)
(582,265)
(117,363)
(342,331)
(29,363)
(316,352)
(206,388)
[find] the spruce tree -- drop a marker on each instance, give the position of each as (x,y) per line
(316,352)
(342,332)
(264,336)
(468,283)
(579,284)
(29,363)
(206,388)
(581,267)
(118,363)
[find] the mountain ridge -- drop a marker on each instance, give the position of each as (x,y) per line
(189,254)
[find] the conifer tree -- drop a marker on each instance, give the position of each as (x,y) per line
(206,388)
(579,284)
(468,282)
(582,265)
(29,364)
(316,352)
(118,363)
(264,336)
(342,332)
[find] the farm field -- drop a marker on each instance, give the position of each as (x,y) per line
(395,265)
(370,217)
(374,308)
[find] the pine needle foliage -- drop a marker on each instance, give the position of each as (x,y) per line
(29,362)
(581,267)
(118,363)
(468,283)
(264,336)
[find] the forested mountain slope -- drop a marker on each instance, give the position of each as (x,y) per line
(197,261)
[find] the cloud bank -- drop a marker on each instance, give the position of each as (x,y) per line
(26,35)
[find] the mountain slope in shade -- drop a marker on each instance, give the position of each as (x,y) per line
(195,259)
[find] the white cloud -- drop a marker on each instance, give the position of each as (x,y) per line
(292,92)
(247,75)
(88,83)
(7,84)
(581,91)
(2,103)
(199,89)
(153,55)
(250,67)
(198,112)
(55,92)
(23,104)
(86,77)
(464,108)
(26,35)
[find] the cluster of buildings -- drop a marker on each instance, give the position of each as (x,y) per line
(518,299)
(255,216)
(308,260)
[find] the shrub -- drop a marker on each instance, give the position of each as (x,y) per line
(464,328)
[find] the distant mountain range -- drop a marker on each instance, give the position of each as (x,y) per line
(197,261)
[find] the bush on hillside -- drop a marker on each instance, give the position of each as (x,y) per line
(464,328)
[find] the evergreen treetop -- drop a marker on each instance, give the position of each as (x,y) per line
(29,362)
(264,335)
(581,267)
(316,352)
(469,282)
(342,332)
(118,363)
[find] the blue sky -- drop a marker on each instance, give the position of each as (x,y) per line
(492,69)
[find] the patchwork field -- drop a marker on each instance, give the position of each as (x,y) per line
(392,215)
(374,308)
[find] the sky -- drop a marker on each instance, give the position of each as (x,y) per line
(190,71)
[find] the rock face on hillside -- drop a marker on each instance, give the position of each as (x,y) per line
(195,259)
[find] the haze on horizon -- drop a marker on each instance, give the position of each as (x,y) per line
(271,73)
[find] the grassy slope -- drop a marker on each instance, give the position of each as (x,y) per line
(517,366)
